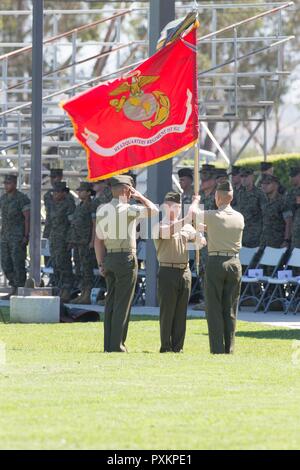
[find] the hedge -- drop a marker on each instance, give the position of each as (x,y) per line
(282,164)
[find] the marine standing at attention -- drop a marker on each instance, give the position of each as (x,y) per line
(223,270)
(15,225)
(115,247)
(174,275)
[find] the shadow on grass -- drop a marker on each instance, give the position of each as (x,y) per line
(271,334)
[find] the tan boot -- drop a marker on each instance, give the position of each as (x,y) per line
(65,296)
(85,297)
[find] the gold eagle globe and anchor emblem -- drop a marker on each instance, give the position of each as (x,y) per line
(152,109)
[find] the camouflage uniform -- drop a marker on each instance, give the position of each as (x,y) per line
(48,201)
(258,184)
(275,213)
(208,201)
(13,251)
(80,234)
(103,198)
(187,197)
(186,201)
(236,192)
(250,204)
(291,200)
(60,216)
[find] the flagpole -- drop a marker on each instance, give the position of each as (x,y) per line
(196,192)
(196,151)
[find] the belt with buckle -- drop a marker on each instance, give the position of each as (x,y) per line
(121,250)
(174,265)
(223,253)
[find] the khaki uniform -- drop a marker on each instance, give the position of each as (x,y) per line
(223,276)
(116,225)
(174,287)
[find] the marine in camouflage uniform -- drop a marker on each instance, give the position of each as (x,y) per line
(103,196)
(60,217)
(266,168)
(251,202)
(293,199)
(186,183)
(81,237)
(56,176)
(277,215)
(15,210)
(236,184)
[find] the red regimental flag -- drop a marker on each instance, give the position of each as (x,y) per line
(147,116)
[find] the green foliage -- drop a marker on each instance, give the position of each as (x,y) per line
(59,391)
(282,164)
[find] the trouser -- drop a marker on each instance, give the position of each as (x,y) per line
(62,264)
(86,265)
(222,285)
(77,266)
(13,256)
(121,275)
(174,288)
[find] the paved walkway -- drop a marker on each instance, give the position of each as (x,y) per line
(277,319)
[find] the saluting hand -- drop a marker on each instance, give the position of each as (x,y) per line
(135,194)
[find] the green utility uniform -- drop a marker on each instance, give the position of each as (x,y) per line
(80,236)
(174,282)
(250,204)
(223,274)
(13,250)
(116,225)
(276,212)
(103,198)
(60,217)
(291,198)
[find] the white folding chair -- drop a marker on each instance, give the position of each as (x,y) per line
(284,285)
(247,256)
(271,258)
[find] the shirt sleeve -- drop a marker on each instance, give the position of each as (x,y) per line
(25,203)
(287,211)
(99,232)
(136,211)
(95,206)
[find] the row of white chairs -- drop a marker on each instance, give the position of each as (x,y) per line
(273,278)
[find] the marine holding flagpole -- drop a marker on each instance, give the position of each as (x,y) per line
(224,228)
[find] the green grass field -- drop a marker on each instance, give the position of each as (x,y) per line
(59,391)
